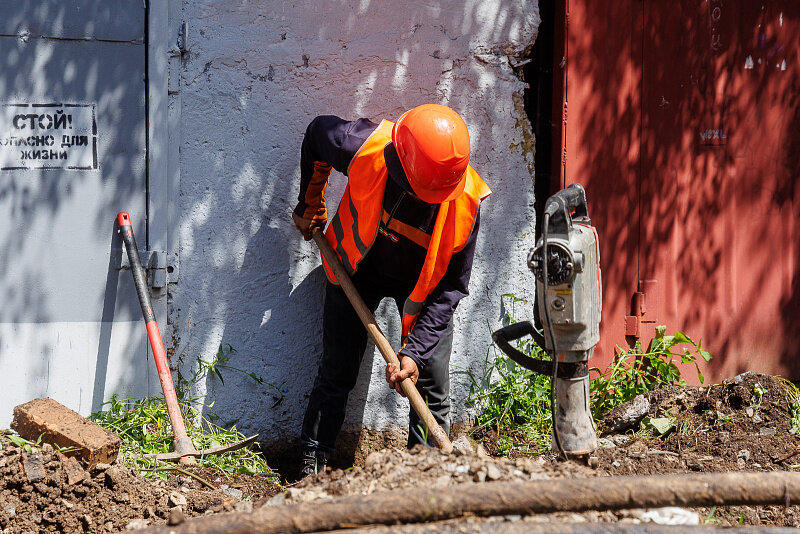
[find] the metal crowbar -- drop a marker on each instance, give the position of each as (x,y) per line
(184,452)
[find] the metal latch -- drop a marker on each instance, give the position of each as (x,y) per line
(155,262)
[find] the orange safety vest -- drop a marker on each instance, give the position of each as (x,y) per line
(355,225)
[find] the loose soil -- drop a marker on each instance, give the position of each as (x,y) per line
(743,424)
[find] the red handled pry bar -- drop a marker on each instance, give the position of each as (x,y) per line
(184,448)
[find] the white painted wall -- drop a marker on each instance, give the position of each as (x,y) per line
(256,74)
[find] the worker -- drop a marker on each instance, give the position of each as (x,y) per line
(405,228)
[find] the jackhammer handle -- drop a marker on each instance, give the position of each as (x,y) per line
(573,199)
(409,388)
(513,332)
(183,444)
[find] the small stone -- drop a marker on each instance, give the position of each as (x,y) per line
(757,418)
(176,516)
(73,468)
(620,439)
(744,454)
(461,469)
(749,411)
(615,464)
(243,506)
(493,472)
(593,462)
(109,526)
(740,463)
(67,504)
(462,446)
(605,443)
(512,517)
(481,451)
(137,524)
(100,467)
(9,509)
(34,467)
(177,499)
(767,431)
(480,476)
(233,492)
(626,415)
(474,467)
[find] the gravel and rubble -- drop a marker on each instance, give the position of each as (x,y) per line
(744,424)
(43,490)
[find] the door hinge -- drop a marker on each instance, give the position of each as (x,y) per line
(644,306)
(157,263)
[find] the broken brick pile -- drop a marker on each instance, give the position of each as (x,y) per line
(44,491)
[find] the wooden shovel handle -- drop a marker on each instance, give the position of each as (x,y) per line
(409,388)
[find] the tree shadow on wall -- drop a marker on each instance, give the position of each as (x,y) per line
(431,55)
(682,126)
(56,222)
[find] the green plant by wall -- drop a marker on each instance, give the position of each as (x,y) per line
(635,371)
(143,425)
(511,399)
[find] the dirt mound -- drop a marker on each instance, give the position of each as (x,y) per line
(41,490)
(740,424)
(743,424)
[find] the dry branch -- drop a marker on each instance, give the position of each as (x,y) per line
(504,498)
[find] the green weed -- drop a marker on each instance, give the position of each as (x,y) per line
(144,427)
(794,404)
(635,371)
(513,399)
(508,396)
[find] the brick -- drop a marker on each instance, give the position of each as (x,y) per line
(61,426)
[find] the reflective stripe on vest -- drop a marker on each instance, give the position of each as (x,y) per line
(355,225)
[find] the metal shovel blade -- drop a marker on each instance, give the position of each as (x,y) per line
(167,456)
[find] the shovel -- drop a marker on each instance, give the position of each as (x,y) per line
(184,448)
(409,388)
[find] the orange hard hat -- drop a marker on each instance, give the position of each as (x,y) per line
(432,142)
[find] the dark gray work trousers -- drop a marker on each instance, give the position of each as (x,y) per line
(344,340)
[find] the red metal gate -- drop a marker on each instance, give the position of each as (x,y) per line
(682,120)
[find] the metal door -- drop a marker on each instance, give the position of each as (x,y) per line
(73,153)
(682,122)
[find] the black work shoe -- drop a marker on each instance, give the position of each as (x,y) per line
(313,462)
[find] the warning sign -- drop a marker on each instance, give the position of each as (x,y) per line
(48,136)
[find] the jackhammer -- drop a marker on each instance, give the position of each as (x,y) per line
(569,304)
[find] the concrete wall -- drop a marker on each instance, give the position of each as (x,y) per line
(256,73)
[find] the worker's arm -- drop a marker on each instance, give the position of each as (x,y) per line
(329,143)
(440,305)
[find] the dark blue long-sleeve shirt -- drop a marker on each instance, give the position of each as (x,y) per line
(331,142)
